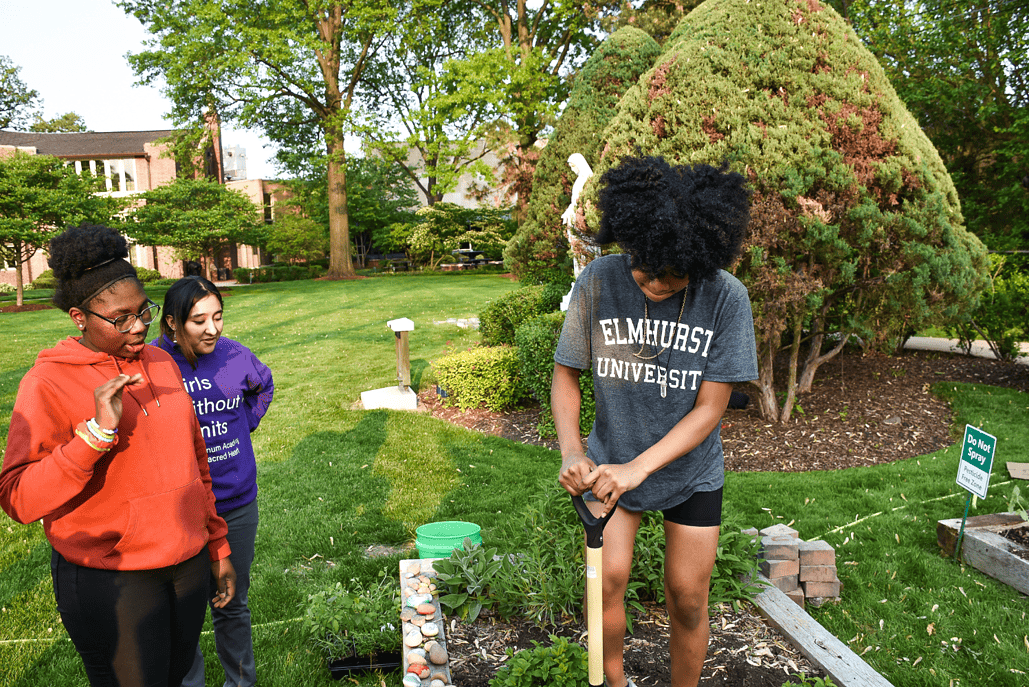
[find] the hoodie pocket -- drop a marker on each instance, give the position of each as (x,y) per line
(163,529)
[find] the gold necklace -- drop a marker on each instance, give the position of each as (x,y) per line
(646,318)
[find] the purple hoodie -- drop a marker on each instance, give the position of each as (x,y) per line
(231,390)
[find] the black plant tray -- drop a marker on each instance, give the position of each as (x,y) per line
(342,667)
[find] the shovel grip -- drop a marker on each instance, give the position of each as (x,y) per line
(593,525)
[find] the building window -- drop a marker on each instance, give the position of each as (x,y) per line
(119,175)
(269,217)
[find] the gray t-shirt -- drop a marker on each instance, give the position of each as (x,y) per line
(714,340)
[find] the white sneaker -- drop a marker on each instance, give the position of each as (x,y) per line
(629,684)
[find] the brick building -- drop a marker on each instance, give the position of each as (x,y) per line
(131,162)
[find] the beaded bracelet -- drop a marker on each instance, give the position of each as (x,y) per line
(89,440)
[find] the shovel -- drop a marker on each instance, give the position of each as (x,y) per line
(594,588)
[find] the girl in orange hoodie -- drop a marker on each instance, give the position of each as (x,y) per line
(104,446)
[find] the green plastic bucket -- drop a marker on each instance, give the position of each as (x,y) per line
(439,539)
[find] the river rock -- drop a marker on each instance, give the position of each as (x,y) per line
(421,670)
(413,639)
(437,654)
(407,614)
(426,609)
(412,680)
(419,621)
(416,600)
(437,683)
(417,659)
(430,629)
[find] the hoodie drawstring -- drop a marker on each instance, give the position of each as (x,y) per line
(142,371)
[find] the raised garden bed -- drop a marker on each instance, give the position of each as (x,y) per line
(986,548)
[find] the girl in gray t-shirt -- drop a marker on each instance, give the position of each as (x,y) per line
(666,332)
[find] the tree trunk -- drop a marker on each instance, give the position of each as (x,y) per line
(766,380)
(791,381)
(340,263)
(815,357)
(19,281)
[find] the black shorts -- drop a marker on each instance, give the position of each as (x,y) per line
(703,509)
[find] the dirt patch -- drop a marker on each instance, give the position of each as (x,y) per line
(27,307)
(743,651)
(1019,536)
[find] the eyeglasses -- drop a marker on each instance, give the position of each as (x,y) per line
(125,322)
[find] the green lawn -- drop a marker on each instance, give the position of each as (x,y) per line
(334,480)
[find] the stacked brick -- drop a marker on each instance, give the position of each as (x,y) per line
(803,571)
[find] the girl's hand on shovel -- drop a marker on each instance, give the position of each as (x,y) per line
(609,482)
(574,471)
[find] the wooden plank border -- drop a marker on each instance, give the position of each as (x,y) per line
(821,648)
(985,550)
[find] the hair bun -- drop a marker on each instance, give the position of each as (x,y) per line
(84,247)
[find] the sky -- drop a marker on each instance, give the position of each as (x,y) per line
(72,52)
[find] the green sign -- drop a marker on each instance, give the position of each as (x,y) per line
(976,460)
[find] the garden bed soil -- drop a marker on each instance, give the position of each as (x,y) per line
(743,651)
(1020,536)
(863,410)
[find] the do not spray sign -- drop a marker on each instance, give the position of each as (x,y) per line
(976,460)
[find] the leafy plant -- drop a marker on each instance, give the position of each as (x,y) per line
(45,280)
(465,578)
(1018,503)
(500,319)
(481,376)
(343,621)
(735,575)
(147,275)
(811,681)
(562,664)
(537,340)
(7,288)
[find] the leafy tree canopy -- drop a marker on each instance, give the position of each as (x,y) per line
(39,198)
(856,226)
(69,122)
(18,102)
(289,68)
(292,237)
(443,227)
(540,243)
(963,71)
(196,216)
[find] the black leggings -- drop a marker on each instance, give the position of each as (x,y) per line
(133,627)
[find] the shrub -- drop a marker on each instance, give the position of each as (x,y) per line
(147,275)
(855,226)
(563,664)
(500,318)
(262,275)
(45,280)
(1002,318)
(7,288)
(536,340)
(481,376)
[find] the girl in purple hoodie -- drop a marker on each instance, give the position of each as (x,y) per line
(231,390)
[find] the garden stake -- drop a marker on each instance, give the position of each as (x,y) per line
(961,534)
(594,527)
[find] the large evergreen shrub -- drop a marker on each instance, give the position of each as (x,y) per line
(856,227)
(540,245)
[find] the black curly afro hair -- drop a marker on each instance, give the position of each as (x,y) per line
(86,259)
(677,220)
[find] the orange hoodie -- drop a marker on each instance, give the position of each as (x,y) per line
(147,503)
